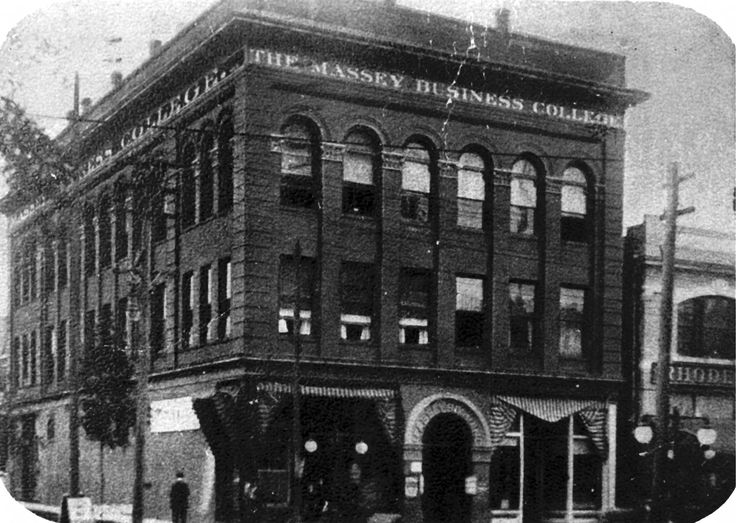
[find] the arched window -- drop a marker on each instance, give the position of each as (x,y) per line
(574,226)
(523,196)
(225,134)
(471,190)
(415,182)
(705,327)
(206,178)
(360,166)
(188,186)
(299,164)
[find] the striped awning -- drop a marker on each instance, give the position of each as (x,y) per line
(275,387)
(551,409)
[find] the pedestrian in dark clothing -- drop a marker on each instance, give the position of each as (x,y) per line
(179,499)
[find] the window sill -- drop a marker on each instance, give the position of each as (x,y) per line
(521,236)
(357,343)
(414,346)
(470,230)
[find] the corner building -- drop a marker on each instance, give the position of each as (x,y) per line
(455,193)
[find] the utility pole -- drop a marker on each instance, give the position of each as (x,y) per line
(296,429)
(660,488)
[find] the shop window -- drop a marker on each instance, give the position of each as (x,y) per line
(295,281)
(90,239)
(524,179)
(468,311)
(359,168)
(225,165)
(62,264)
(471,190)
(47,362)
(356,301)
(574,226)
(587,465)
(299,165)
(121,226)
(158,319)
(105,231)
(705,327)
(415,182)
(187,310)
(188,186)
(206,177)
(224,298)
(572,307)
(414,285)
(522,316)
(206,324)
(61,351)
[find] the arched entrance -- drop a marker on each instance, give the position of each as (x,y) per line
(447,461)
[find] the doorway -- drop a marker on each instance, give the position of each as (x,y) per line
(447,461)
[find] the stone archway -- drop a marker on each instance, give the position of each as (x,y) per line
(431,406)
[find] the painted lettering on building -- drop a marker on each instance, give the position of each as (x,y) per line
(694,374)
(449,93)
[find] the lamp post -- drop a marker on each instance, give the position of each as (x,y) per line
(666,443)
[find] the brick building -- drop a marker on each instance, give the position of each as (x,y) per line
(702,356)
(456,197)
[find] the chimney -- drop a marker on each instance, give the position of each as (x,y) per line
(154,47)
(117,79)
(502,20)
(86,104)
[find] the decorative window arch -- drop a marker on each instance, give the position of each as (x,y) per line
(574,224)
(225,133)
(416,176)
(361,164)
(299,163)
(471,189)
(188,184)
(705,327)
(525,181)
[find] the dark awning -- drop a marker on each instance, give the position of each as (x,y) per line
(328,392)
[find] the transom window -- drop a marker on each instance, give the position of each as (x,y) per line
(523,196)
(415,182)
(471,190)
(359,168)
(705,327)
(574,205)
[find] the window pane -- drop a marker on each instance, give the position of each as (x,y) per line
(415,171)
(505,476)
(470,213)
(469,294)
(470,184)
(524,168)
(521,315)
(296,151)
(414,287)
(523,192)
(572,303)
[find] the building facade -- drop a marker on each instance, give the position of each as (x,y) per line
(429,217)
(701,373)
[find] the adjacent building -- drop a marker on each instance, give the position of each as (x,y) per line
(428,212)
(701,372)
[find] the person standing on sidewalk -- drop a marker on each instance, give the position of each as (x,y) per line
(179,499)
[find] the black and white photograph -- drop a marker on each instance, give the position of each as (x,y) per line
(367,261)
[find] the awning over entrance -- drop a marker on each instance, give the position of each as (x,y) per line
(327,392)
(592,413)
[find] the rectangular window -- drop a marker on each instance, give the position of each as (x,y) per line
(62,266)
(49,274)
(522,316)
(158,217)
(505,471)
(188,197)
(47,362)
(105,325)
(468,311)
(415,184)
(121,323)
(523,204)
(288,291)
(61,351)
(158,319)
(206,330)
(105,231)
(32,273)
(572,307)
(356,296)
(298,155)
(187,309)
(471,191)
(358,190)
(206,182)
(17,359)
(414,287)
(25,356)
(224,298)
(33,358)
(121,228)
(225,166)
(90,249)
(17,279)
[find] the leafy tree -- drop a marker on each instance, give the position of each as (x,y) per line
(34,164)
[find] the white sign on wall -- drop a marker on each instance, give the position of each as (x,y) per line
(173,415)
